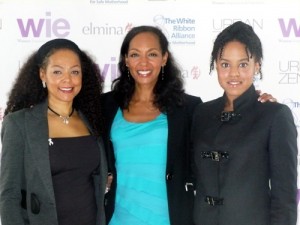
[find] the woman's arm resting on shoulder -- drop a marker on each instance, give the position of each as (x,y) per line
(265,97)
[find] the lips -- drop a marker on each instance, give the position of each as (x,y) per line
(234,83)
(144,72)
(66,89)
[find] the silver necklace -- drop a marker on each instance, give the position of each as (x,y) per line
(65,119)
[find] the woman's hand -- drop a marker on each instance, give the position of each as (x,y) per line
(265,97)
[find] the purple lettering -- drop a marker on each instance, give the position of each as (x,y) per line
(104,71)
(48,25)
(286,30)
(113,69)
(30,25)
(59,27)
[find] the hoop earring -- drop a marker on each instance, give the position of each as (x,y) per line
(162,73)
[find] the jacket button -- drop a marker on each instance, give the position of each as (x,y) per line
(169,176)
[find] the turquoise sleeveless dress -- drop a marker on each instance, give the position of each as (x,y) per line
(141,154)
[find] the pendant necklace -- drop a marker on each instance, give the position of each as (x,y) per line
(65,119)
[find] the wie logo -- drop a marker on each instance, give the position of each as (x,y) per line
(112,68)
(44,26)
(288,26)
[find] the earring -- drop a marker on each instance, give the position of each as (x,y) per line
(162,73)
(44,84)
(258,73)
(128,74)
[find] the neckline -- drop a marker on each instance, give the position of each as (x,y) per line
(137,123)
(74,137)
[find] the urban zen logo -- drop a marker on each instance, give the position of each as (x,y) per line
(289,28)
(289,71)
(47,27)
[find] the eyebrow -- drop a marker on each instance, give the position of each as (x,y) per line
(244,59)
(151,49)
(63,67)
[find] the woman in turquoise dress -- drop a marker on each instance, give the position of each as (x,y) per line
(148,118)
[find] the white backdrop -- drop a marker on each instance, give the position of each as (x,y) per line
(99,27)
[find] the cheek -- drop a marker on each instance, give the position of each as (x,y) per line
(129,67)
(221,80)
(248,75)
(222,74)
(132,64)
(52,81)
(77,80)
(250,79)
(222,71)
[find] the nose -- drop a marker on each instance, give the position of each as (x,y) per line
(234,72)
(144,60)
(67,76)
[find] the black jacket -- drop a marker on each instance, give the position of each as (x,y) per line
(26,190)
(178,165)
(238,160)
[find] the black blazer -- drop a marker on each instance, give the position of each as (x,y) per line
(246,167)
(178,166)
(26,190)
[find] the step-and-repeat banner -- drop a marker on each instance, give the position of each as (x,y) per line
(99,26)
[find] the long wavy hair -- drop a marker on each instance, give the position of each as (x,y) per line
(27,90)
(167,91)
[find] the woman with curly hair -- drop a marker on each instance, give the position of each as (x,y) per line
(53,164)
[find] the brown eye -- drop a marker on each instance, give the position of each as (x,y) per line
(133,55)
(76,72)
(56,72)
(153,54)
(243,65)
(225,65)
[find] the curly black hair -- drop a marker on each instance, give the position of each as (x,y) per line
(167,91)
(241,32)
(28,90)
